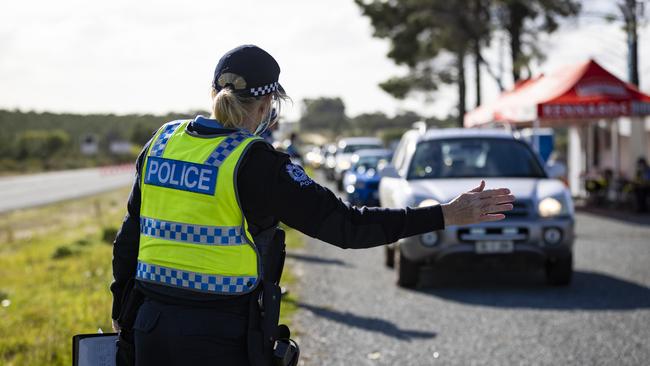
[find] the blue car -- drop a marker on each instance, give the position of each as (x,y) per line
(361,181)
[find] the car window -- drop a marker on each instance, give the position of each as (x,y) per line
(349,149)
(368,163)
(474,157)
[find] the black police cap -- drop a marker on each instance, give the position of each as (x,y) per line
(249,71)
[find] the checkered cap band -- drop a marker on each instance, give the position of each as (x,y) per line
(192,234)
(227,146)
(159,145)
(265,89)
(194,281)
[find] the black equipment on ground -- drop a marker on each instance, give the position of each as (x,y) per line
(94,349)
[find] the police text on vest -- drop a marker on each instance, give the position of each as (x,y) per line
(181,175)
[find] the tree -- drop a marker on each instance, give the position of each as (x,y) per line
(480,35)
(421,32)
(523,20)
(632,11)
(140,134)
(42,144)
(371,123)
(323,114)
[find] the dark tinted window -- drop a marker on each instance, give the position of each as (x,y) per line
(480,157)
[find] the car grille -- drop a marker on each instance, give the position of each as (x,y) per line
(520,210)
(472,235)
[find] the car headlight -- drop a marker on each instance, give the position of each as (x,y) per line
(549,207)
(428,202)
(429,239)
(351,179)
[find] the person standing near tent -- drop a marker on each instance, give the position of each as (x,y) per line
(641,185)
(202,223)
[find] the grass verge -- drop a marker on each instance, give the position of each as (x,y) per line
(55,272)
(55,269)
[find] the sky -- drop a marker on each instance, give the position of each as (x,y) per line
(159,56)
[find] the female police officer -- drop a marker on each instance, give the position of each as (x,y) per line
(206,194)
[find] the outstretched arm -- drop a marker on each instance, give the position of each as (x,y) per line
(270,186)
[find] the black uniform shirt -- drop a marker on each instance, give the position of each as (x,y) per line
(272,189)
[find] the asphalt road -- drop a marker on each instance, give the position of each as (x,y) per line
(352,313)
(23,191)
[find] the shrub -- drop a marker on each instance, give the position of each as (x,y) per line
(109,234)
(82,242)
(62,252)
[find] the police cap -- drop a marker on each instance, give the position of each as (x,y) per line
(249,71)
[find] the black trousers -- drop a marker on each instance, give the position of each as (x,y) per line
(181,335)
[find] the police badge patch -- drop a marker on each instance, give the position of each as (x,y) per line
(298,175)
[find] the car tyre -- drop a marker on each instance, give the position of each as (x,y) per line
(559,271)
(408,271)
(389,253)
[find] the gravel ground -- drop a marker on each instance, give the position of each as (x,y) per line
(351,312)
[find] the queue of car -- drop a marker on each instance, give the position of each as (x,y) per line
(434,166)
(361,181)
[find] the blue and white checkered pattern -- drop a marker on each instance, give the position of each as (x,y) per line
(194,281)
(265,89)
(161,142)
(192,234)
(226,147)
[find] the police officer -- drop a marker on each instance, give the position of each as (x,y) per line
(207,197)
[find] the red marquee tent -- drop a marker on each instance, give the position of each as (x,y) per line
(585,91)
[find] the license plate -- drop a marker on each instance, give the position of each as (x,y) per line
(494,246)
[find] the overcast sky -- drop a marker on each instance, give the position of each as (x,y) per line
(157,56)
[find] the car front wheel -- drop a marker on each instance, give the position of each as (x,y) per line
(559,270)
(408,272)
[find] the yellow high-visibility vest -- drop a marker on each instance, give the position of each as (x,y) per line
(193,234)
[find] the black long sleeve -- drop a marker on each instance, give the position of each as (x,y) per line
(269,186)
(127,241)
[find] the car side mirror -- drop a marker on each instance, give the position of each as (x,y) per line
(555,169)
(389,171)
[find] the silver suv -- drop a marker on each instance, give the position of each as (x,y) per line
(437,165)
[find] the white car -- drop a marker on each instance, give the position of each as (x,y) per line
(437,165)
(346,148)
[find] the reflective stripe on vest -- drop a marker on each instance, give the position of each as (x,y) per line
(193,234)
(224,149)
(192,280)
(159,145)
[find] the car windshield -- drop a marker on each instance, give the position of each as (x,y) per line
(349,149)
(474,157)
(367,163)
